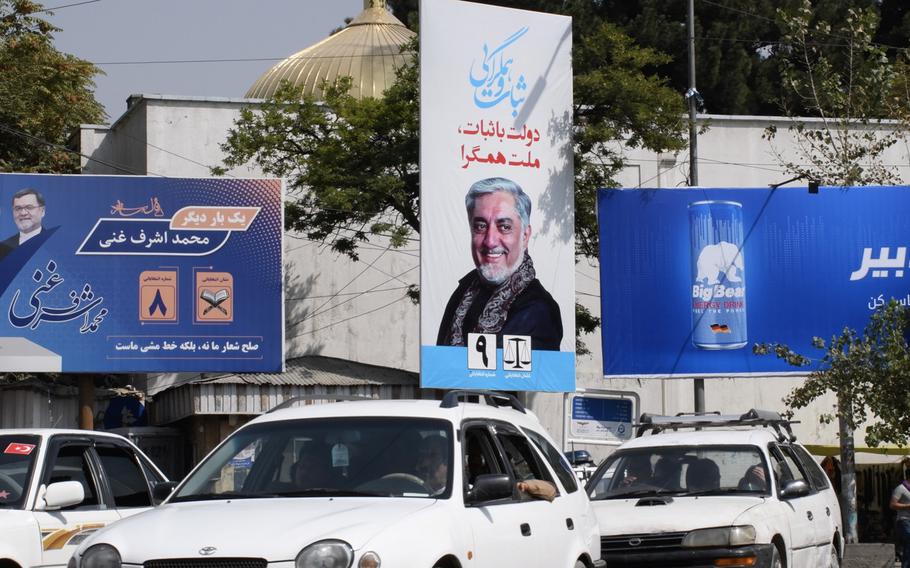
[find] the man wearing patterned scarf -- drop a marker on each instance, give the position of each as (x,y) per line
(502,295)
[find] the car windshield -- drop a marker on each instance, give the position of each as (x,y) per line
(336,457)
(675,470)
(17,459)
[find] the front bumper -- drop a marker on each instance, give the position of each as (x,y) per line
(754,556)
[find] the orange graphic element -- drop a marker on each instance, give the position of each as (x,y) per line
(214,297)
(720,328)
(158,295)
(58,539)
(214,218)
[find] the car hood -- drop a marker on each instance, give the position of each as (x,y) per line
(627,516)
(276,529)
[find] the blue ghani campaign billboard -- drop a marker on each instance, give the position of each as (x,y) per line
(122,274)
(691,279)
(497,208)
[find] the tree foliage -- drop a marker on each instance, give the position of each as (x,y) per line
(352,164)
(869,371)
(44,94)
(859,97)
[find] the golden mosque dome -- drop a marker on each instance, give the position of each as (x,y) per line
(368,50)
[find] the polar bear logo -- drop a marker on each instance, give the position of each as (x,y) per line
(721,258)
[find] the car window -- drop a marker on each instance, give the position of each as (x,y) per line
(72,464)
(17,461)
(480,454)
(680,470)
(785,466)
(556,460)
(368,456)
(818,480)
(521,457)
(125,477)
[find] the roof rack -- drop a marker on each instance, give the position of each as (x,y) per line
(330,397)
(656,423)
(492,398)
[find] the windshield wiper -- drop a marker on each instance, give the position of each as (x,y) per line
(636,493)
(326,492)
(716,491)
(213,497)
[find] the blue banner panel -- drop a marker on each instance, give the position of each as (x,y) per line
(692,278)
(140,274)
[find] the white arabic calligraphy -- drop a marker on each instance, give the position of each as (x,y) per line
(882,264)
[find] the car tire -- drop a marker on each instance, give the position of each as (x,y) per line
(776,560)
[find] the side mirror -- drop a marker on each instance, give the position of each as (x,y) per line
(490,487)
(163,490)
(794,488)
(61,494)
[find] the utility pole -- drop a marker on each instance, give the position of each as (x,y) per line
(692,99)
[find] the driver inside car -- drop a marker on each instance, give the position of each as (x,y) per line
(432,463)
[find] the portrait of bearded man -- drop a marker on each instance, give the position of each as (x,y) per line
(502,295)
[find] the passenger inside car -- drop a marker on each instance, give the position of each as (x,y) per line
(312,468)
(432,463)
(753,479)
(637,472)
(702,475)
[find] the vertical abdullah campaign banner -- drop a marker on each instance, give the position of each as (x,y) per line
(497,201)
(691,279)
(133,274)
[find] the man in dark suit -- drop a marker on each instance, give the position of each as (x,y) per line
(28,212)
(502,294)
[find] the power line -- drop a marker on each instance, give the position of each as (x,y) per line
(370,291)
(67,6)
(349,319)
(33,138)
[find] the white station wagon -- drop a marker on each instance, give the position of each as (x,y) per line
(368,483)
(738,492)
(58,486)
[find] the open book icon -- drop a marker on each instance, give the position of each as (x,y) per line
(215,299)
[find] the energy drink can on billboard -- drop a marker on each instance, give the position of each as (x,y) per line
(718,292)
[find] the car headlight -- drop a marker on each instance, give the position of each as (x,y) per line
(722,536)
(326,554)
(100,556)
(369,560)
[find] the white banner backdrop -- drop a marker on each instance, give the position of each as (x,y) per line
(497,201)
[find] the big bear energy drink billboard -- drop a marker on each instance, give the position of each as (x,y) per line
(691,279)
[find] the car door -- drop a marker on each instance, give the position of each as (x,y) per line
(502,529)
(798,511)
(71,459)
(826,514)
(124,477)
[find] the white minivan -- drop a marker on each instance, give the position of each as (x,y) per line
(714,490)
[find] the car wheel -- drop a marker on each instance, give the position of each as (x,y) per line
(776,561)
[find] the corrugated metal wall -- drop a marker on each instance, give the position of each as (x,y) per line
(222,399)
(32,408)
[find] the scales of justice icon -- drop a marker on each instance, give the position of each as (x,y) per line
(517,352)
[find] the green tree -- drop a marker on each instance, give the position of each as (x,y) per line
(858,98)
(352,165)
(868,374)
(44,94)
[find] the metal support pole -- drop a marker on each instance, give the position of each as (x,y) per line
(693,157)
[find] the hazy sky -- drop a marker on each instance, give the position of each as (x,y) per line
(123,36)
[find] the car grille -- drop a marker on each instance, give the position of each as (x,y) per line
(642,543)
(206,563)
